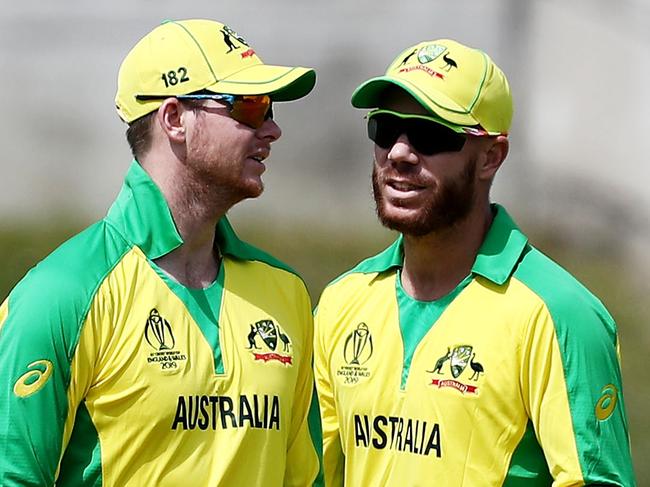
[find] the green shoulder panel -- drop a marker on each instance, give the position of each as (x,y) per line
(587,339)
(38,340)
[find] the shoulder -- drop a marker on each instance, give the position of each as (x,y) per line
(79,263)
(57,292)
(361,285)
(572,307)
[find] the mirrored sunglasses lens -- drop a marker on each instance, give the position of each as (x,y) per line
(251,110)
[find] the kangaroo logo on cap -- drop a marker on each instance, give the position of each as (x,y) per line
(407,57)
(428,53)
(228,34)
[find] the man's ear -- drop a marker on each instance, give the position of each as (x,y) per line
(496,153)
(170,119)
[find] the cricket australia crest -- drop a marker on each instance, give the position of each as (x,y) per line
(459,357)
(275,344)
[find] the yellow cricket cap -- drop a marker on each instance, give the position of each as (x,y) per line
(457,83)
(185,56)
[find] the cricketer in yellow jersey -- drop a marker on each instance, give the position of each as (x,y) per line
(461,355)
(155,347)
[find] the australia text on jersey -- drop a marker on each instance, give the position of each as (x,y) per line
(211,412)
(396,433)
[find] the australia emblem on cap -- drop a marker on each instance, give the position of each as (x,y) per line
(430,52)
(229,37)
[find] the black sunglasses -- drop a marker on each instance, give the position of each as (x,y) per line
(425,134)
(251,110)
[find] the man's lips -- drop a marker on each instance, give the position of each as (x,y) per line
(260,154)
(400,188)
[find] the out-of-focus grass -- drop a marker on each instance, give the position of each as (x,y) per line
(22,246)
(320,256)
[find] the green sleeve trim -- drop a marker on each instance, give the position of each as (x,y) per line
(587,339)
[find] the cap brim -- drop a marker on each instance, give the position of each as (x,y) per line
(281,83)
(369,95)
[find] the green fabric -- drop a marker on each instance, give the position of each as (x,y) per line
(528,466)
(584,329)
(416,318)
(204,306)
(81,465)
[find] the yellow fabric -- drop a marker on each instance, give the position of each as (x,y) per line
(117,371)
(440,429)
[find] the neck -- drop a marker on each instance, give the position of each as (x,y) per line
(196,211)
(436,263)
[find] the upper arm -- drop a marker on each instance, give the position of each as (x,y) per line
(37,339)
(572,387)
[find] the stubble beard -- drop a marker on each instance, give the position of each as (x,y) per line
(447,205)
(217,175)
(217,181)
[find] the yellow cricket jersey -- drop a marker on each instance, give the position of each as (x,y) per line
(113,374)
(512,379)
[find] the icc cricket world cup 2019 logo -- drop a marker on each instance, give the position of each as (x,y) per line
(158,332)
(357,350)
(358,345)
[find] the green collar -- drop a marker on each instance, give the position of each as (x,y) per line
(496,259)
(502,248)
(140,214)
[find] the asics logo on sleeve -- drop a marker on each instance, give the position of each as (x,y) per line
(607,402)
(31,382)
